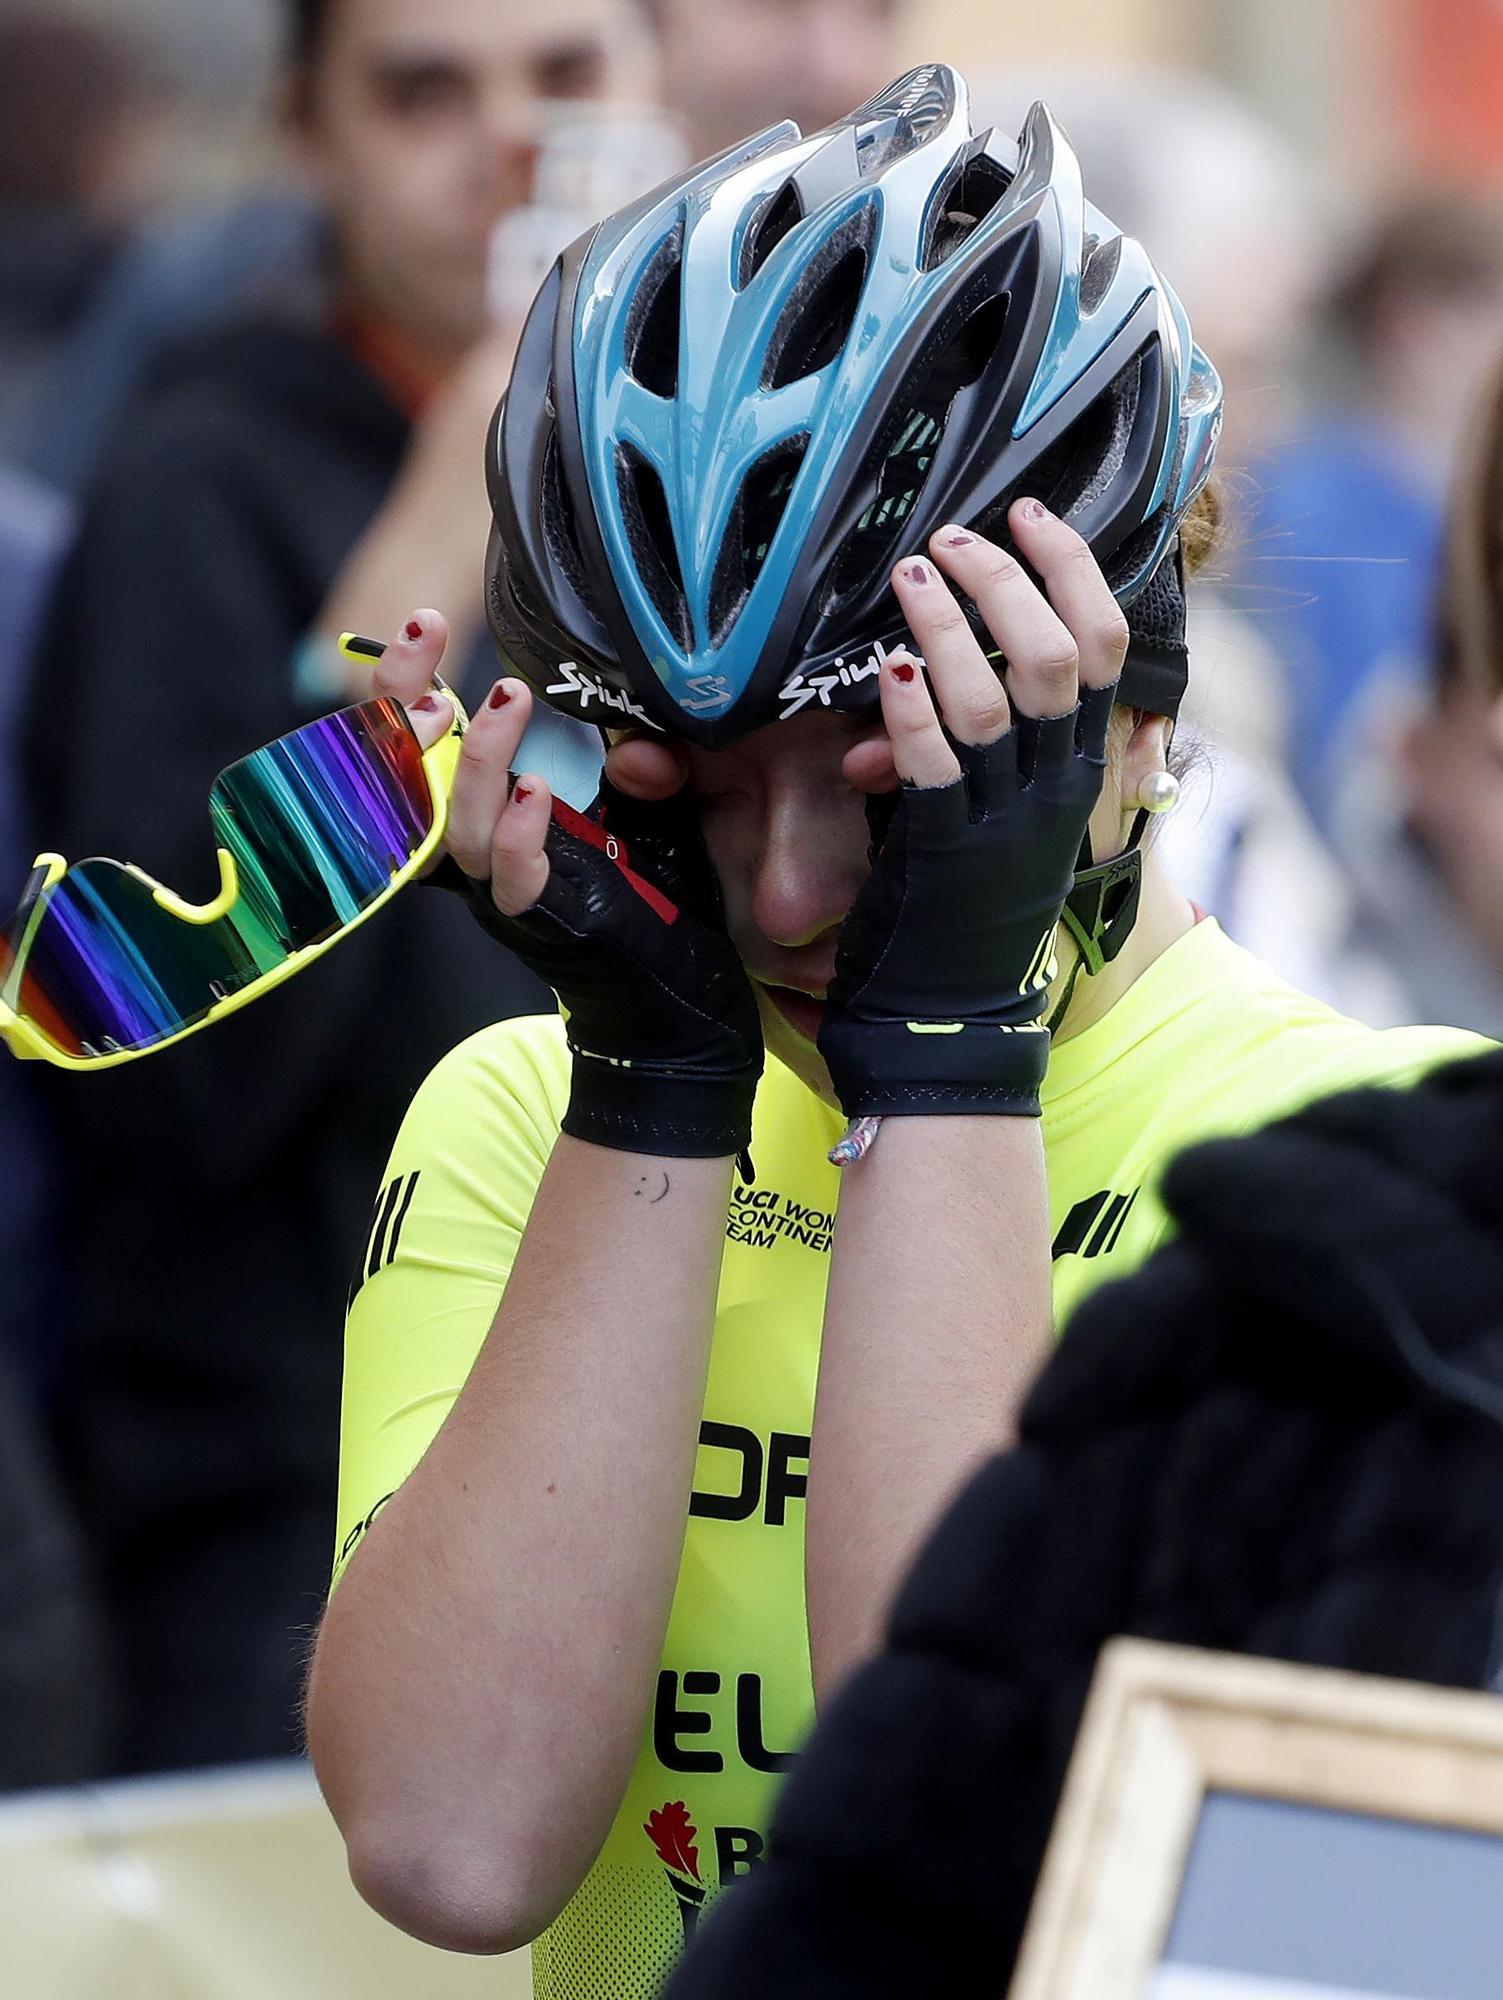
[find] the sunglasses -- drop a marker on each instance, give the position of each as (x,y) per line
(102,964)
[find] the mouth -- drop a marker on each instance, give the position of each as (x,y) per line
(803,1012)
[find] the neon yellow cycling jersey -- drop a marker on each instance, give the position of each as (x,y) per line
(1206,1041)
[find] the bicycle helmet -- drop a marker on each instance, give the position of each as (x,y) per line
(737,402)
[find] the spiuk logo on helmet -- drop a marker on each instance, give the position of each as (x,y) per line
(824,688)
(587,687)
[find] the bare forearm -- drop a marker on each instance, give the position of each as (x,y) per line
(485,1668)
(937,1317)
(426,546)
(414,552)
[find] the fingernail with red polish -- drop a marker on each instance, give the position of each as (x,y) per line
(427,706)
(498,697)
(412,629)
(956,538)
(1035,510)
(521,791)
(901,671)
(917,572)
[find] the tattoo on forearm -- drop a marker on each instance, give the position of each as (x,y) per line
(643,1187)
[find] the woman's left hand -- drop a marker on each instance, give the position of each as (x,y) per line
(944,963)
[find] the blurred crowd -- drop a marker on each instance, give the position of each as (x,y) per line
(261,271)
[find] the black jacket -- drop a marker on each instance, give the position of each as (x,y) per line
(1284,1436)
(218,1194)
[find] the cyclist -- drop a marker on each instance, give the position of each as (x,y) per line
(790,449)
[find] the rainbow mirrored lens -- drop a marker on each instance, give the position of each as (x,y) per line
(318,825)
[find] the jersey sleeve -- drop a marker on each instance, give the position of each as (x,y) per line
(453,1203)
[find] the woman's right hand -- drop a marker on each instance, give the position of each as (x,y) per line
(618,910)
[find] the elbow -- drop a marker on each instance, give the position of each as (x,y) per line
(461,1854)
(453,1895)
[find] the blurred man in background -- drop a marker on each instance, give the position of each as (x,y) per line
(299,469)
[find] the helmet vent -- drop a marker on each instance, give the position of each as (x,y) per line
(1106,430)
(766,231)
(560,530)
(653,321)
(754,521)
(649,527)
(963,204)
(901,460)
(1098,271)
(817,321)
(1083,462)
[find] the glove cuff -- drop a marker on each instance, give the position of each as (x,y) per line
(636,1109)
(976,1070)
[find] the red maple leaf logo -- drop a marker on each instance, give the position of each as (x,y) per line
(673,1834)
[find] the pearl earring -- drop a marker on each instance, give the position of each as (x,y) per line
(1159,792)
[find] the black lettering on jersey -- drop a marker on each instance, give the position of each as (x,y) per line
(738,1849)
(783,1483)
(761,1217)
(764,1473)
(1092,1227)
(670,1722)
(390,1213)
(741,1505)
(749,1742)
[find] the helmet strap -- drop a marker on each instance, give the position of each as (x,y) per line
(1100,910)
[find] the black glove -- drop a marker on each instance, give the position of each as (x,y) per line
(942,967)
(630,935)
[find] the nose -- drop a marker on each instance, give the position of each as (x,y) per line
(810,865)
(510,133)
(516,162)
(514,158)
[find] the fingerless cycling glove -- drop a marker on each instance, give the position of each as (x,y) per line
(660,1017)
(943,966)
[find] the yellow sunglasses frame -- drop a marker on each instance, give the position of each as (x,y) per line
(28,1044)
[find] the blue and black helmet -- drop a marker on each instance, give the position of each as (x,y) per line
(737,402)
